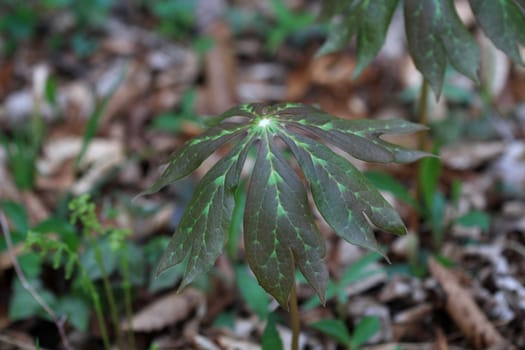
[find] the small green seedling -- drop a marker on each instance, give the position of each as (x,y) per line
(271,340)
(287,22)
(367,327)
(173,122)
(360,269)
(98,261)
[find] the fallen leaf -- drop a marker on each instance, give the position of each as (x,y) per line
(166,311)
(470,155)
(464,311)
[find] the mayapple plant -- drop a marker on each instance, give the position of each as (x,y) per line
(435,34)
(280,233)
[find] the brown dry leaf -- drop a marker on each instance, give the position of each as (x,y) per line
(334,70)
(415,314)
(17,340)
(409,346)
(204,343)
(167,310)
(35,208)
(228,343)
(6,74)
(8,189)
(441,342)
(101,156)
(261,81)
(464,311)
(495,66)
(470,155)
(220,66)
(135,83)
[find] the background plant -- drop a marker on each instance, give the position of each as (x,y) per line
(435,34)
(107,250)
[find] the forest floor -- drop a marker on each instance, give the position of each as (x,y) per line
(94,100)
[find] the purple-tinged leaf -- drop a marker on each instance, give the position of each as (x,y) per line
(279,229)
(331,8)
(280,233)
(503,22)
(188,158)
(344,197)
(368,20)
(202,230)
(359,138)
(436,36)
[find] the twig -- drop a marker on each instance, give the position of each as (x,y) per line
(59,321)
(464,311)
(17,343)
(516,247)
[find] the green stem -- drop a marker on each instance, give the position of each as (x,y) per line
(127,300)
(294,318)
(98,308)
(109,295)
(423,120)
(236,222)
(422,112)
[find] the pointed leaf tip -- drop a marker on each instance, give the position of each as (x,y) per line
(436,36)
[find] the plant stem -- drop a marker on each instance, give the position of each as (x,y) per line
(423,120)
(127,301)
(294,318)
(109,294)
(59,321)
(422,112)
(98,313)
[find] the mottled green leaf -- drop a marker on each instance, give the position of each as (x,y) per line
(334,7)
(436,36)
(361,138)
(368,19)
(375,19)
(340,31)
(203,227)
(187,158)
(280,234)
(279,229)
(503,21)
(334,180)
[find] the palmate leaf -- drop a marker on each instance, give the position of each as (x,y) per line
(368,19)
(503,21)
(436,36)
(280,233)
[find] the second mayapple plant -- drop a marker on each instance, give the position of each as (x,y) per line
(280,233)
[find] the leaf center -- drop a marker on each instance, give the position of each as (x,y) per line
(264,122)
